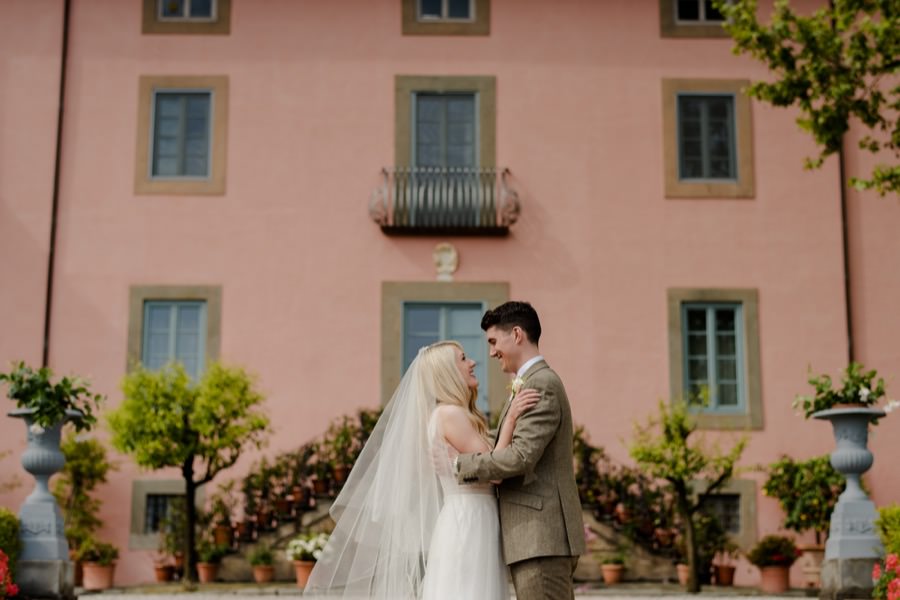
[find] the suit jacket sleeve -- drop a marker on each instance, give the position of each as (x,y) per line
(534,430)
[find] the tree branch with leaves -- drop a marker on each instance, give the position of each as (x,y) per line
(838,65)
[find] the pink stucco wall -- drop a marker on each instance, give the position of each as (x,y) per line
(579,122)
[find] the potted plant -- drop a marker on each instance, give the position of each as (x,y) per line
(209,556)
(222,508)
(807,492)
(723,562)
(341,441)
(262,560)
(46,405)
(304,550)
(774,555)
(98,560)
(163,569)
(612,568)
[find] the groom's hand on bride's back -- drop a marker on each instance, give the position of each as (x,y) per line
(524,401)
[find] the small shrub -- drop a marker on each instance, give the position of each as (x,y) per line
(211,553)
(773,551)
(92,551)
(9,537)
(888,524)
(261,556)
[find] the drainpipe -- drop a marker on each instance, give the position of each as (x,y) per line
(51,257)
(846,248)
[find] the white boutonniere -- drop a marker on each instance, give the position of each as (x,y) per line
(516,385)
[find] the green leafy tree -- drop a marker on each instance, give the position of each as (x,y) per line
(86,467)
(807,491)
(666,448)
(838,65)
(168,420)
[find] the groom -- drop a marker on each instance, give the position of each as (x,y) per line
(540,512)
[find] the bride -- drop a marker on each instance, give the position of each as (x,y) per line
(404,527)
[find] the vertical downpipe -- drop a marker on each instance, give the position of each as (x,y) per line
(51,257)
(845,238)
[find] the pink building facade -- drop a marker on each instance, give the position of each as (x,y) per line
(220,180)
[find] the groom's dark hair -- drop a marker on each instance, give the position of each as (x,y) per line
(510,314)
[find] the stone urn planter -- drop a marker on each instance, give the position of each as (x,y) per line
(811,564)
(774,579)
(852,533)
(303,568)
(41,530)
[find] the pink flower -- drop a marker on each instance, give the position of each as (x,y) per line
(891,562)
(876,571)
(12,590)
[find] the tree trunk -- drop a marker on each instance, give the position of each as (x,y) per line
(690,546)
(190,515)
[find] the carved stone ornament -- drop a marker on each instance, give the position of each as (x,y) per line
(446,261)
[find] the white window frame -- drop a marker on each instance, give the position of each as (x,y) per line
(209,141)
(733,142)
(445,10)
(186,17)
(701,20)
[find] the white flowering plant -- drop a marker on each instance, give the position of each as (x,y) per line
(308,547)
(858,387)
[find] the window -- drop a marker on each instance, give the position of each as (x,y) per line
(181,135)
(174,323)
(174,331)
(445,121)
(697,11)
(196,17)
(726,508)
(445,126)
(707,139)
(690,19)
(712,340)
(426,323)
(200,10)
(151,501)
(446,17)
(415,314)
(157,509)
(714,346)
(446,10)
(734,505)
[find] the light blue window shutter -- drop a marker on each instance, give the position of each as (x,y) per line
(175,331)
(181,134)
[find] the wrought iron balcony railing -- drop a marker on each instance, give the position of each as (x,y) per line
(431,200)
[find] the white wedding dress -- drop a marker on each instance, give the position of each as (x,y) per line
(464,560)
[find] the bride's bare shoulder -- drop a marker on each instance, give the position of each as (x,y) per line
(450,412)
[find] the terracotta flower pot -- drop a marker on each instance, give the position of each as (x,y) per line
(684,573)
(612,574)
(97,576)
(724,574)
(774,579)
(303,568)
(164,573)
(263,573)
(206,572)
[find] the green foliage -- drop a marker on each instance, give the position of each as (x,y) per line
(223,504)
(93,551)
(9,536)
(666,448)
(173,529)
(773,551)
(837,65)
(166,419)
(261,556)
(35,390)
(615,559)
(86,467)
(857,387)
(211,553)
(807,492)
(888,524)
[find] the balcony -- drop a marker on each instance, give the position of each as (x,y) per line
(446,201)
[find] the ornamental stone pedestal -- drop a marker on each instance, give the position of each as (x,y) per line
(44,569)
(853,544)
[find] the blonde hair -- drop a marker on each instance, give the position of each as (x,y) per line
(447,383)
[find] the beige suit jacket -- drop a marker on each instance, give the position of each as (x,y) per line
(540,512)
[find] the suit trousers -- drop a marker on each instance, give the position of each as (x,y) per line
(544,578)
